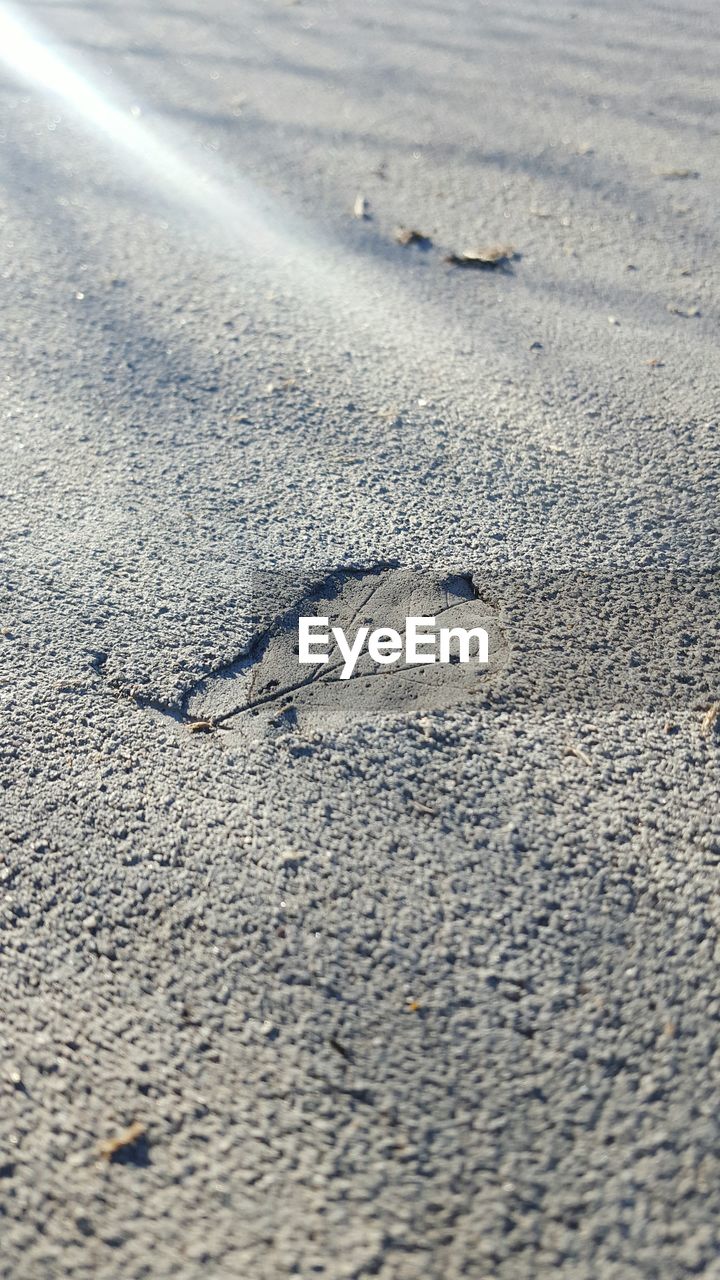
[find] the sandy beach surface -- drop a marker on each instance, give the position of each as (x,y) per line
(421,997)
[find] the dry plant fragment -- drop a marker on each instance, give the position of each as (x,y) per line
(409,235)
(488,258)
(201,726)
(686,312)
(340,1048)
(678,173)
(711,720)
(423,808)
(578,753)
(111,1146)
(361,208)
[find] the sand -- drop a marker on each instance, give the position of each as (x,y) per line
(423,996)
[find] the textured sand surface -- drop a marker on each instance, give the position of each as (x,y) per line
(416,999)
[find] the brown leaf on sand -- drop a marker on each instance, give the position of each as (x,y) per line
(408,235)
(489,258)
(361,208)
(201,726)
(110,1147)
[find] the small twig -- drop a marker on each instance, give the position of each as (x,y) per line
(340,1048)
(423,808)
(128,1137)
(711,719)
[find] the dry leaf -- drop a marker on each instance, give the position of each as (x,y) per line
(201,726)
(488,258)
(408,235)
(265,692)
(111,1146)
